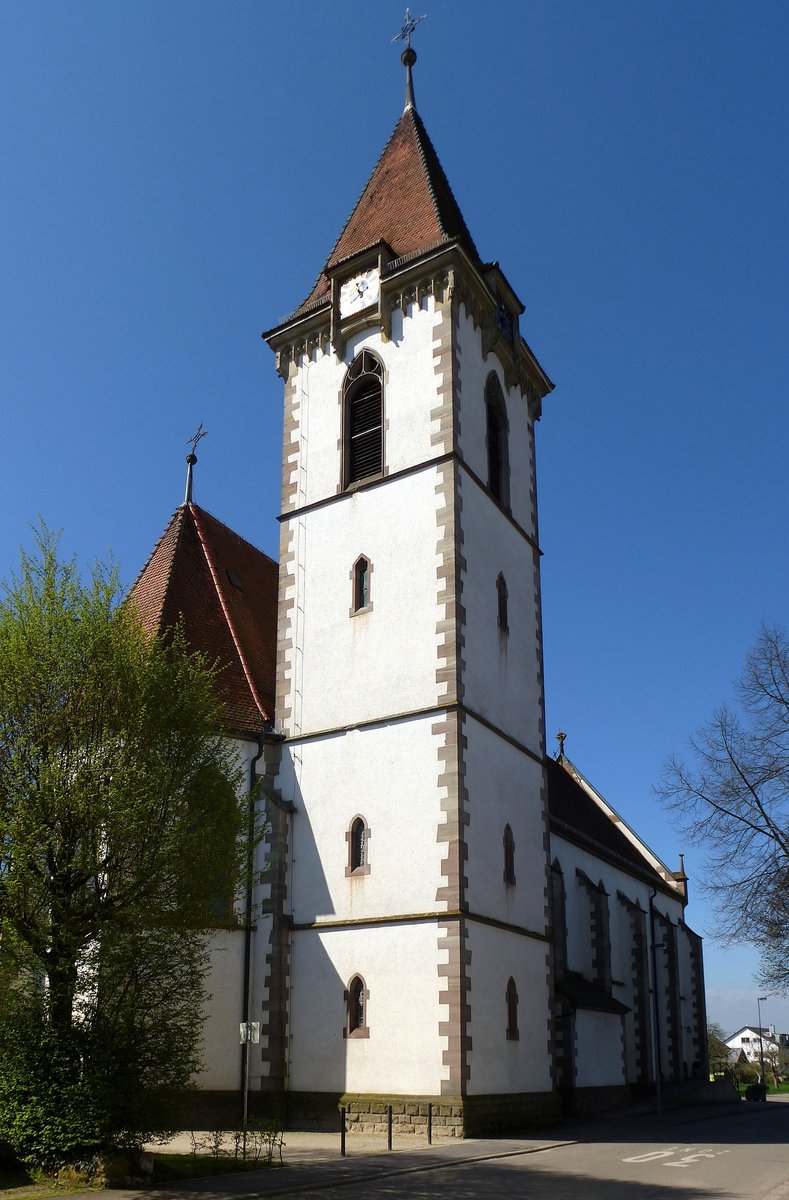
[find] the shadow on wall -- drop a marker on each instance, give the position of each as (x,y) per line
(306,1007)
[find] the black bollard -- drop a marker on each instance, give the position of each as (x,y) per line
(342,1132)
(430,1124)
(389,1127)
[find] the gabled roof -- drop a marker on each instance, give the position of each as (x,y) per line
(577,810)
(225,592)
(764,1034)
(407,203)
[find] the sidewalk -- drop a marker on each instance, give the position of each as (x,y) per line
(312,1161)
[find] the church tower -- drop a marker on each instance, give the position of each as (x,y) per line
(415,956)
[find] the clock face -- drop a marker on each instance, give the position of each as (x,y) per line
(358,292)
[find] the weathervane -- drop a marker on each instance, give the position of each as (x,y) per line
(409,25)
(408,57)
(192,441)
(561,738)
(191,459)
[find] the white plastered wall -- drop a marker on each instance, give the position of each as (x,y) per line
(410,385)
(221,1053)
(225,981)
(579,948)
(502,670)
(497,1064)
(474,371)
(504,787)
(376,663)
(598,1049)
(572,857)
(387,774)
(501,676)
(399,965)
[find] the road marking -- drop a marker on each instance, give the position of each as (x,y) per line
(652,1155)
(694,1156)
(690,1154)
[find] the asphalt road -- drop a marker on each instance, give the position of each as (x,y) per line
(722,1154)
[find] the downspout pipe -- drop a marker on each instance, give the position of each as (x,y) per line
(655,1012)
(247,974)
(268,736)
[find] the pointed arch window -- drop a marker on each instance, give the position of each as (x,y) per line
(558,916)
(358,839)
(502,597)
(512,1011)
(361,581)
(497,441)
(356,998)
(363,419)
(509,856)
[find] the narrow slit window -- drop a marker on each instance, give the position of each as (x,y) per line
(498,457)
(356,999)
(509,856)
(502,596)
(512,1011)
(361,585)
(358,844)
(357,1005)
(358,840)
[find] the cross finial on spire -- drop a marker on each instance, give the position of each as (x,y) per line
(408,57)
(561,738)
(191,459)
(409,25)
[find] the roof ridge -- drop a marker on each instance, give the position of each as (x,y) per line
(617,819)
(421,133)
(179,512)
(194,511)
(347,220)
(204,512)
(420,128)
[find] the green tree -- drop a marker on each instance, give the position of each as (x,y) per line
(717,1051)
(733,798)
(121,826)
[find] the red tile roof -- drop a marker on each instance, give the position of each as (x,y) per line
(407,203)
(573,812)
(225,592)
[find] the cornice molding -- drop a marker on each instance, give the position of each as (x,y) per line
(441,272)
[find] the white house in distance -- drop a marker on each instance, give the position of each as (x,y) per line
(449,916)
(753,1042)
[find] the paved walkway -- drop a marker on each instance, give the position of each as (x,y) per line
(312,1161)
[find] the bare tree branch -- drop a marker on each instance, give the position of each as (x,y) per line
(734,800)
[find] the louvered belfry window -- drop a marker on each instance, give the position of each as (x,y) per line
(363,418)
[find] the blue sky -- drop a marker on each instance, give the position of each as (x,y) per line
(174,177)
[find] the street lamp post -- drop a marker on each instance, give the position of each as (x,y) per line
(759,1000)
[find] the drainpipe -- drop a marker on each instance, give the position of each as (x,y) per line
(245,1003)
(279,915)
(655,1012)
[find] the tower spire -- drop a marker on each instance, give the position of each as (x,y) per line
(191,460)
(408,57)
